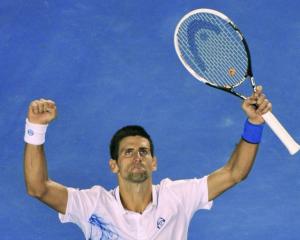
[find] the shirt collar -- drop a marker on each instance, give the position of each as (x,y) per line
(153,203)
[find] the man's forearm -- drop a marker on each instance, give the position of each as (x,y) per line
(243,156)
(35,168)
(242,160)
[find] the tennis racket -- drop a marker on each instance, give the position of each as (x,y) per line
(214,51)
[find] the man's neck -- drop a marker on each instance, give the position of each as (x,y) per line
(135,196)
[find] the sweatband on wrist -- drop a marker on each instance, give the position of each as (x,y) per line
(35,133)
(252,132)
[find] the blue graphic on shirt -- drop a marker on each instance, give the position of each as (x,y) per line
(107,230)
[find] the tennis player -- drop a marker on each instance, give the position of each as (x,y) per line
(136,209)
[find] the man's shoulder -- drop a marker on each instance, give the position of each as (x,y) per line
(168,183)
(95,190)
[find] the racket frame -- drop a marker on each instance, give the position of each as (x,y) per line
(197,76)
(292,146)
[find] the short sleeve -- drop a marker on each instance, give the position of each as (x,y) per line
(80,205)
(192,193)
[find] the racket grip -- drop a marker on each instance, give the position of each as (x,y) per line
(281,133)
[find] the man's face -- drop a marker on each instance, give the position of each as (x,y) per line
(135,163)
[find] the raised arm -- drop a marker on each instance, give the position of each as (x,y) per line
(40,113)
(243,156)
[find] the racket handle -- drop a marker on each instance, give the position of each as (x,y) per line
(281,133)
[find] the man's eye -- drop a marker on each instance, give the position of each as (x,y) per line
(128,152)
(144,152)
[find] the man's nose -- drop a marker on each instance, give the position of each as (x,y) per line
(137,156)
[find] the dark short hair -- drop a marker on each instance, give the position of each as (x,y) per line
(127,131)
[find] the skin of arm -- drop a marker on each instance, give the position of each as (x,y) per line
(243,156)
(37,182)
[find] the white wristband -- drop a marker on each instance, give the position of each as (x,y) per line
(35,133)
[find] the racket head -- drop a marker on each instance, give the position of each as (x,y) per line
(212,48)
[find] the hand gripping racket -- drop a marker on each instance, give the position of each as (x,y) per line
(214,51)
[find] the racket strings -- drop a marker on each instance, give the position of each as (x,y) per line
(220,54)
(190,59)
(220,57)
(223,53)
(238,49)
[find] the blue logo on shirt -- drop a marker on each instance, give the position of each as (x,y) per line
(107,230)
(160,222)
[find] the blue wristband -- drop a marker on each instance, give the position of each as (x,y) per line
(252,132)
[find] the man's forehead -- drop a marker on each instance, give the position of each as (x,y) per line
(134,141)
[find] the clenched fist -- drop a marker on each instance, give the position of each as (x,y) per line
(257,105)
(41,111)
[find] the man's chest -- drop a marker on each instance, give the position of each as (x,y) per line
(155,223)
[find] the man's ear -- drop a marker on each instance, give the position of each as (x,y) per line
(113,166)
(154,164)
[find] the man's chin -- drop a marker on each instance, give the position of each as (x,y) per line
(138,177)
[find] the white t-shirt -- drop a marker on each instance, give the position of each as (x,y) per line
(100,214)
